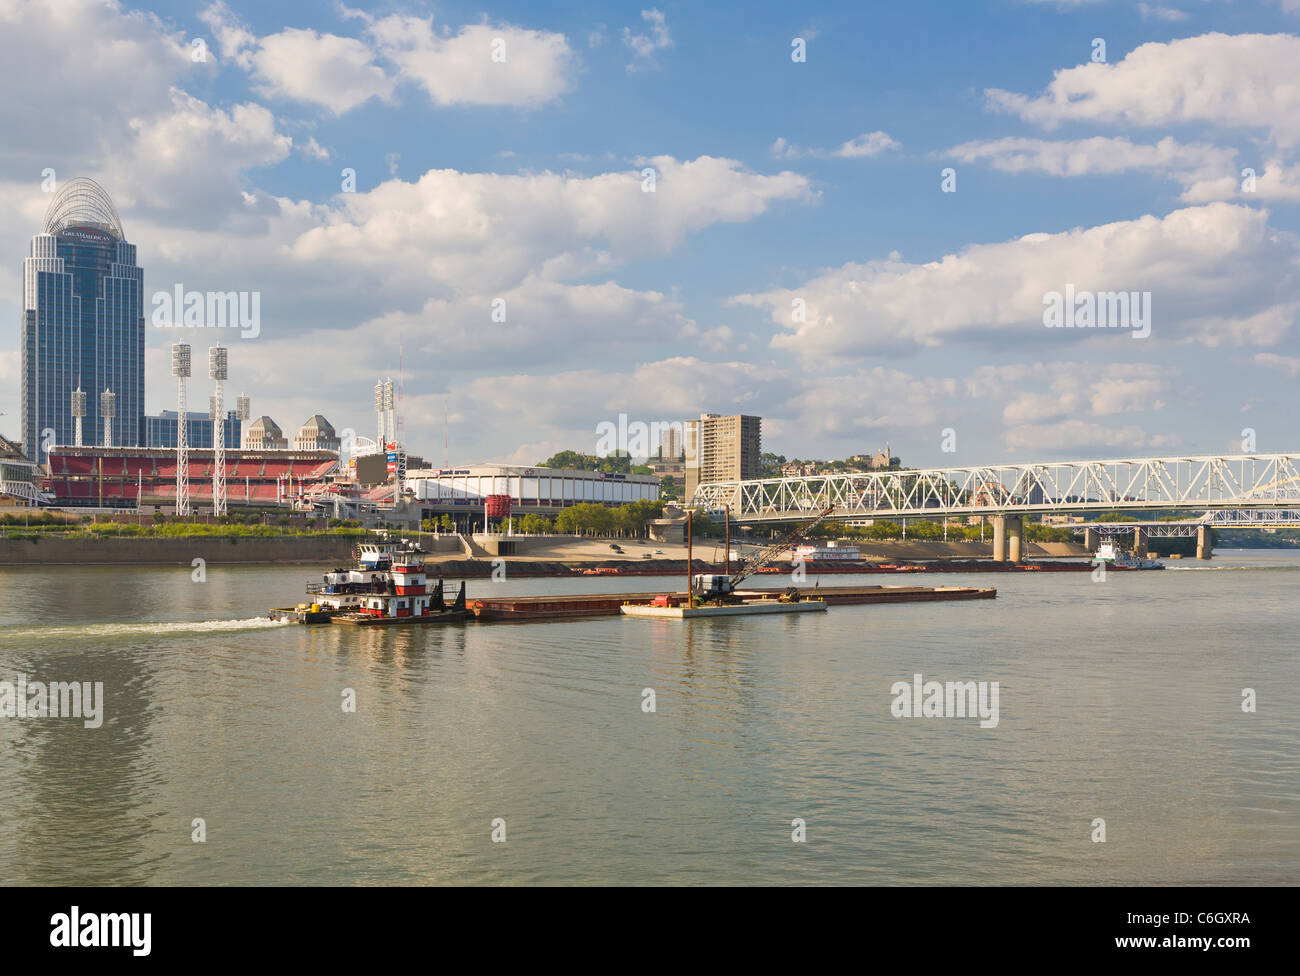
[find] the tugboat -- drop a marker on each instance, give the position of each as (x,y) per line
(387,586)
(1118,558)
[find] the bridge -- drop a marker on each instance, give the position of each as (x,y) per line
(1008,492)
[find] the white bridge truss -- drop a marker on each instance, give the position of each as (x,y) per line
(1241,481)
(1243,518)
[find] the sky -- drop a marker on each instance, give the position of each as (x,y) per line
(848,219)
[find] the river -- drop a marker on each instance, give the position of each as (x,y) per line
(1119,701)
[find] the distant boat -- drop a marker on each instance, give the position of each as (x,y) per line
(1118,558)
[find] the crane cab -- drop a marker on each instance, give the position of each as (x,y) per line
(710,586)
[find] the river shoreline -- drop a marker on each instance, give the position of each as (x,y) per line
(559,558)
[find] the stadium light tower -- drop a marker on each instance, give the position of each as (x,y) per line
(390,407)
(181,370)
(78,411)
(107,410)
(218,371)
(379,412)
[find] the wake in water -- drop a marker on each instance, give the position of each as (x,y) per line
(176,627)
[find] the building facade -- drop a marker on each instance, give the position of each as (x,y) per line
(264,434)
(544,491)
(317,434)
(17,475)
(82,323)
(160,429)
(722,448)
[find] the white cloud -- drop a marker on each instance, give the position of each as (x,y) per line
(859,147)
(1235,81)
(338,73)
(74,72)
(530,67)
(1217,273)
(1158,12)
(1207,172)
(644,47)
(1047,392)
(1084,438)
(191,160)
(484,231)
(1290,365)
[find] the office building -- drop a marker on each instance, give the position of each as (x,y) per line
(721,448)
(160,429)
(82,323)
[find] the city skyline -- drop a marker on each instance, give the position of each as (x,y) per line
(798,258)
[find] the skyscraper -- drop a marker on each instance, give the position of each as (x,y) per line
(82,322)
(722,449)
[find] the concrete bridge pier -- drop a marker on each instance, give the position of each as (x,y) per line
(1204,547)
(1091,539)
(1140,547)
(1015,533)
(999,538)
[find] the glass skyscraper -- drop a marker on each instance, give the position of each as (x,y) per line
(83,324)
(160,430)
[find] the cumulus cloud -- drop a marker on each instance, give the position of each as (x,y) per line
(338,73)
(487,230)
(1207,172)
(1230,80)
(479,64)
(75,72)
(1217,273)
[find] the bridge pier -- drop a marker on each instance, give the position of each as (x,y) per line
(1091,539)
(1140,547)
(1015,532)
(1204,547)
(999,538)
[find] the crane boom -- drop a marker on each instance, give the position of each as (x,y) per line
(766,555)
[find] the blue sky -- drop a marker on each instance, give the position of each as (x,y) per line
(776,181)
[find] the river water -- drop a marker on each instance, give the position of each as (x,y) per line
(1119,701)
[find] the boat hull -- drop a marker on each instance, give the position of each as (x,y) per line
(370,620)
(755,608)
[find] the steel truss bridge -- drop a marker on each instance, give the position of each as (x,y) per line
(1241,482)
(1243,518)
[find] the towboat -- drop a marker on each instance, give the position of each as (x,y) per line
(388,585)
(1111,555)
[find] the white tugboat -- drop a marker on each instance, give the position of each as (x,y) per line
(1117,558)
(388,585)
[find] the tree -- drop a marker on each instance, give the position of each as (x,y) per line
(535,524)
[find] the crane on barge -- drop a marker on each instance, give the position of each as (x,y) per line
(720,588)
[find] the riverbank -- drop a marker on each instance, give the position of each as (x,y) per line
(536,556)
(56,550)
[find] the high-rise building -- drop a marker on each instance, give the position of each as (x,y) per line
(670,444)
(160,429)
(82,322)
(722,449)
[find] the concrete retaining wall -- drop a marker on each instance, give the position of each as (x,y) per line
(52,550)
